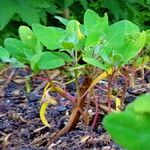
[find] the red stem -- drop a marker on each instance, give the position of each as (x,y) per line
(41,78)
(96,114)
(109,90)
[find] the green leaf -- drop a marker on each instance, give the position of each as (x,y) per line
(142,105)
(142,60)
(18,50)
(34,62)
(130,128)
(147,36)
(27,36)
(64,56)
(38,3)
(118,11)
(62,20)
(98,33)
(129,9)
(105,56)
(117,32)
(68,3)
(7,10)
(116,60)
(91,20)
(67,45)
(49,60)
(111,46)
(74,35)
(84,3)
(4,54)
(132,47)
(92,39)
(49,36)
(94,62)
(123,38)
(23,9)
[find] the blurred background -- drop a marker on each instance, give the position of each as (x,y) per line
(14,13)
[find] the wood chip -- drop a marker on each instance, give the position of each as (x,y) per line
(19,81)
(85,138)
(6,142)
(39,129)
(39,139)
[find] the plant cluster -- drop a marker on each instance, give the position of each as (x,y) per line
(93,51)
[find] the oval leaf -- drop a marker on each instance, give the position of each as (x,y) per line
(27,36)
(4,54)
(49,36)
(49,60)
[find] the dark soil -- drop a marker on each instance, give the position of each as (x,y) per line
(21,127)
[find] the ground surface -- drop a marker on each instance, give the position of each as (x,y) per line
(21,128)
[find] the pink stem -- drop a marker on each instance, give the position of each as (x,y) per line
(41,78)
(96,114)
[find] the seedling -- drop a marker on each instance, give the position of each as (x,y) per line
(140,63)
(97,44)
(93,50)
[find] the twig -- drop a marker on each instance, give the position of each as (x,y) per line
(39,129)
(106,109)
(5,142)
(39,139)
(75,115)
(96,113)
(5,69)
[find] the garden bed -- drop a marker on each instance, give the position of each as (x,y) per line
(22,129)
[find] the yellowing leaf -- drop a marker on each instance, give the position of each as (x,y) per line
(45,101)
(118,104)
(46,87)
(42,113)
(52,100)
(46,97)
(99,78)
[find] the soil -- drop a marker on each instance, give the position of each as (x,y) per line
(21,127)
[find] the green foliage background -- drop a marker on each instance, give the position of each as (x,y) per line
(14,13)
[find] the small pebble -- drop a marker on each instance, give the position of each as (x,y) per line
(71,87)
(61,108)
(8,101)
(106,148)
